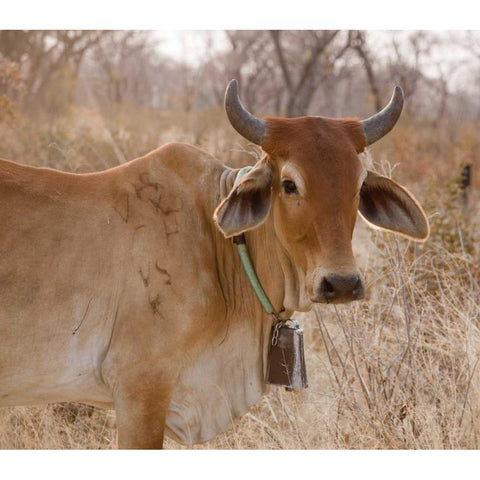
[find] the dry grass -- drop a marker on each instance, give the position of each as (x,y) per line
(398,371)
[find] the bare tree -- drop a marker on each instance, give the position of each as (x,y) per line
(304,59)
(124,66)
(248,58)
(360,45)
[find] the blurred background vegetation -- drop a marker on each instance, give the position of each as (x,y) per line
(287,73)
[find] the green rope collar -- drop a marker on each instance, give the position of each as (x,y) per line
(247,265)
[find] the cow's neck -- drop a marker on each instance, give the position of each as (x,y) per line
(228,376)
(279,277)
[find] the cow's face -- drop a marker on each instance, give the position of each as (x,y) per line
(312,184)
(316,186)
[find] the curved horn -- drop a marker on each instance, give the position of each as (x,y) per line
(378,125)
(247,125)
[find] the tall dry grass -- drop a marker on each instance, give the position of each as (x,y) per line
(399,370)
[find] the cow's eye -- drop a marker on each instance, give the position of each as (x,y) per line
(289,187)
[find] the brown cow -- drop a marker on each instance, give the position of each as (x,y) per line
(119,288)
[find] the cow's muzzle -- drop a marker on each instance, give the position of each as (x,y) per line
(339,289)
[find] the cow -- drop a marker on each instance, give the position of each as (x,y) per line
(123,289)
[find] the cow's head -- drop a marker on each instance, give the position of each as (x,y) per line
(312,183)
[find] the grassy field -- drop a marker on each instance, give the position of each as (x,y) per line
(397,371)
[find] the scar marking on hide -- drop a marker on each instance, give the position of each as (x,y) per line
(122,216)
(154,194)
(145,180)
(161,202)
(144,184)
(168,280)
(155,306)
(145,278)
(167,208)
(84,316)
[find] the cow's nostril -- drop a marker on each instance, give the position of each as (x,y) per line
(328,289)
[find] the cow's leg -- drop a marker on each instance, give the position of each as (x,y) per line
(141,409)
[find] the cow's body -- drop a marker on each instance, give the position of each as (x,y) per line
(121,273)
(120,288)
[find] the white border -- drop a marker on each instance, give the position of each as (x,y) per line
(240,14)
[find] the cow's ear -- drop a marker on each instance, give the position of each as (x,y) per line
(248,204)
(387,205)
